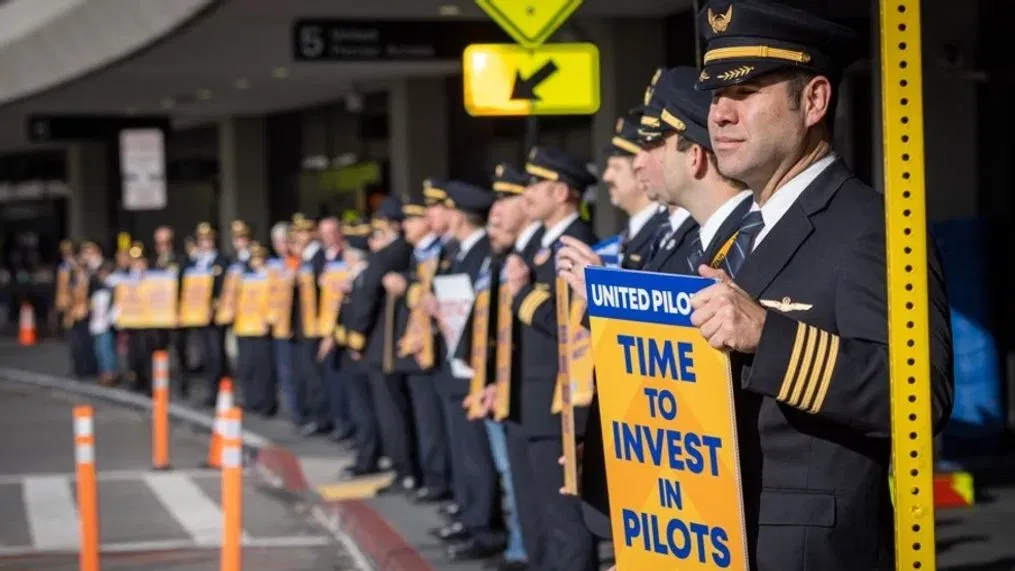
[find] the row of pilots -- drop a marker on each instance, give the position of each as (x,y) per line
(756,199)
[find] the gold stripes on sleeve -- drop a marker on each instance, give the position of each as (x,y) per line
(412,295)
(810,368)
(355,340)
(531,303)
(340,335)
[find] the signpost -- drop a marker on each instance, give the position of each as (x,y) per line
(530,78)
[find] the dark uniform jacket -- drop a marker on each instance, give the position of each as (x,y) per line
(634,250)
(813,409)
(535,306)
(366,326)
(528,254)
(470,264)
(408,364)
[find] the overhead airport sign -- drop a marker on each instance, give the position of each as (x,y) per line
(529,22)
(510,80)
(331,40)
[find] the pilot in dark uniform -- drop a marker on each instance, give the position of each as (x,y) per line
(806,321)
(431,436)
(370,335)
(557,182)
(211,337)
(644,215)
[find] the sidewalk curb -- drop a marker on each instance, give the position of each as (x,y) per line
(372,536)
(361,529)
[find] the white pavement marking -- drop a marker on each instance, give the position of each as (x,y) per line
(176,544)
(52,514)
(109,475)
(189,506)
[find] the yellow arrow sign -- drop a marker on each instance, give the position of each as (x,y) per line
(529,22)
(509,80)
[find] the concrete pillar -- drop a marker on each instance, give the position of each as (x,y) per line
(243,175)
(630,50)
(418,133)
(88,177)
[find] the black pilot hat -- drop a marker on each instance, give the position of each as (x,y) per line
(469,198)
(675,106)
(547,163)
(625,134)
(413,208)
(356,232)
(434,191)
(508,181)
(749,38)
(390,210)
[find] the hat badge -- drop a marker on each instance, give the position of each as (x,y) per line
(720,22)
(500,170)
(532,153)
(620,124)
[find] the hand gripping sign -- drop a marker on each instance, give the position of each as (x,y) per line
(669,426)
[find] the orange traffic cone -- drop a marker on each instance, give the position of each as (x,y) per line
(223,403)
(26,325)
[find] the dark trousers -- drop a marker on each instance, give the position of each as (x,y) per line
(140,346)
(431,433)
(338,398)
(285,377)
(253,369)
(368,438)
(570,545)
(394,419)
(82,350)
(213,352)
(476,490)
(308,374)
(535,534)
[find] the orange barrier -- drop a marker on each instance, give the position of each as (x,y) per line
(232,490)
(223,404)
(88,495)
(953,490)
(26,325)
(160,410)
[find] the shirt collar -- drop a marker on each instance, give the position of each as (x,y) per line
(526,235)
(786,195)
(310,251)
(677,218)
(428,241)
(554,232)
(638,221)
(469,242)
(708,230)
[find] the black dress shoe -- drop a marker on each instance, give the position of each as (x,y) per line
(449,510)
(472,550)
(451,532)
(428,496)
(403,485)
(353,472)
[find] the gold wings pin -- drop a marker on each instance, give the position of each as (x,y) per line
(785,305)
(720,22)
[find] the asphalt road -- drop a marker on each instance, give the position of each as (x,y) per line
(149,521)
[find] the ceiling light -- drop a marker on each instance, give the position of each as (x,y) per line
(204,94)
(449,10)
(280,72)
(242,84)
(168,103)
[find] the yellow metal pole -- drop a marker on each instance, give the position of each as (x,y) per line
(906,236)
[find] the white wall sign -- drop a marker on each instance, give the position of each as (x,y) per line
(143,169)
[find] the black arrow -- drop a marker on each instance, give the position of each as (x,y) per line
(526,88)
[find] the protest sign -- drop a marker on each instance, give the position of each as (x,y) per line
(669,426)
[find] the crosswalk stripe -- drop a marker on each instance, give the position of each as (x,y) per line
(51,511)
(198,514)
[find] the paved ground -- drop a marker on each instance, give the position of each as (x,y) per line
(148,520)
(974,539)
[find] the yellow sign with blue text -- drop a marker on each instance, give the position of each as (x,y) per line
(529,22)
(509,80)
(669,426)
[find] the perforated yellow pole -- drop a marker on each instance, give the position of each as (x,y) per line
(909,335)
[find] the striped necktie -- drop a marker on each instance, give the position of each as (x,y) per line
(750,225)
(694,260)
